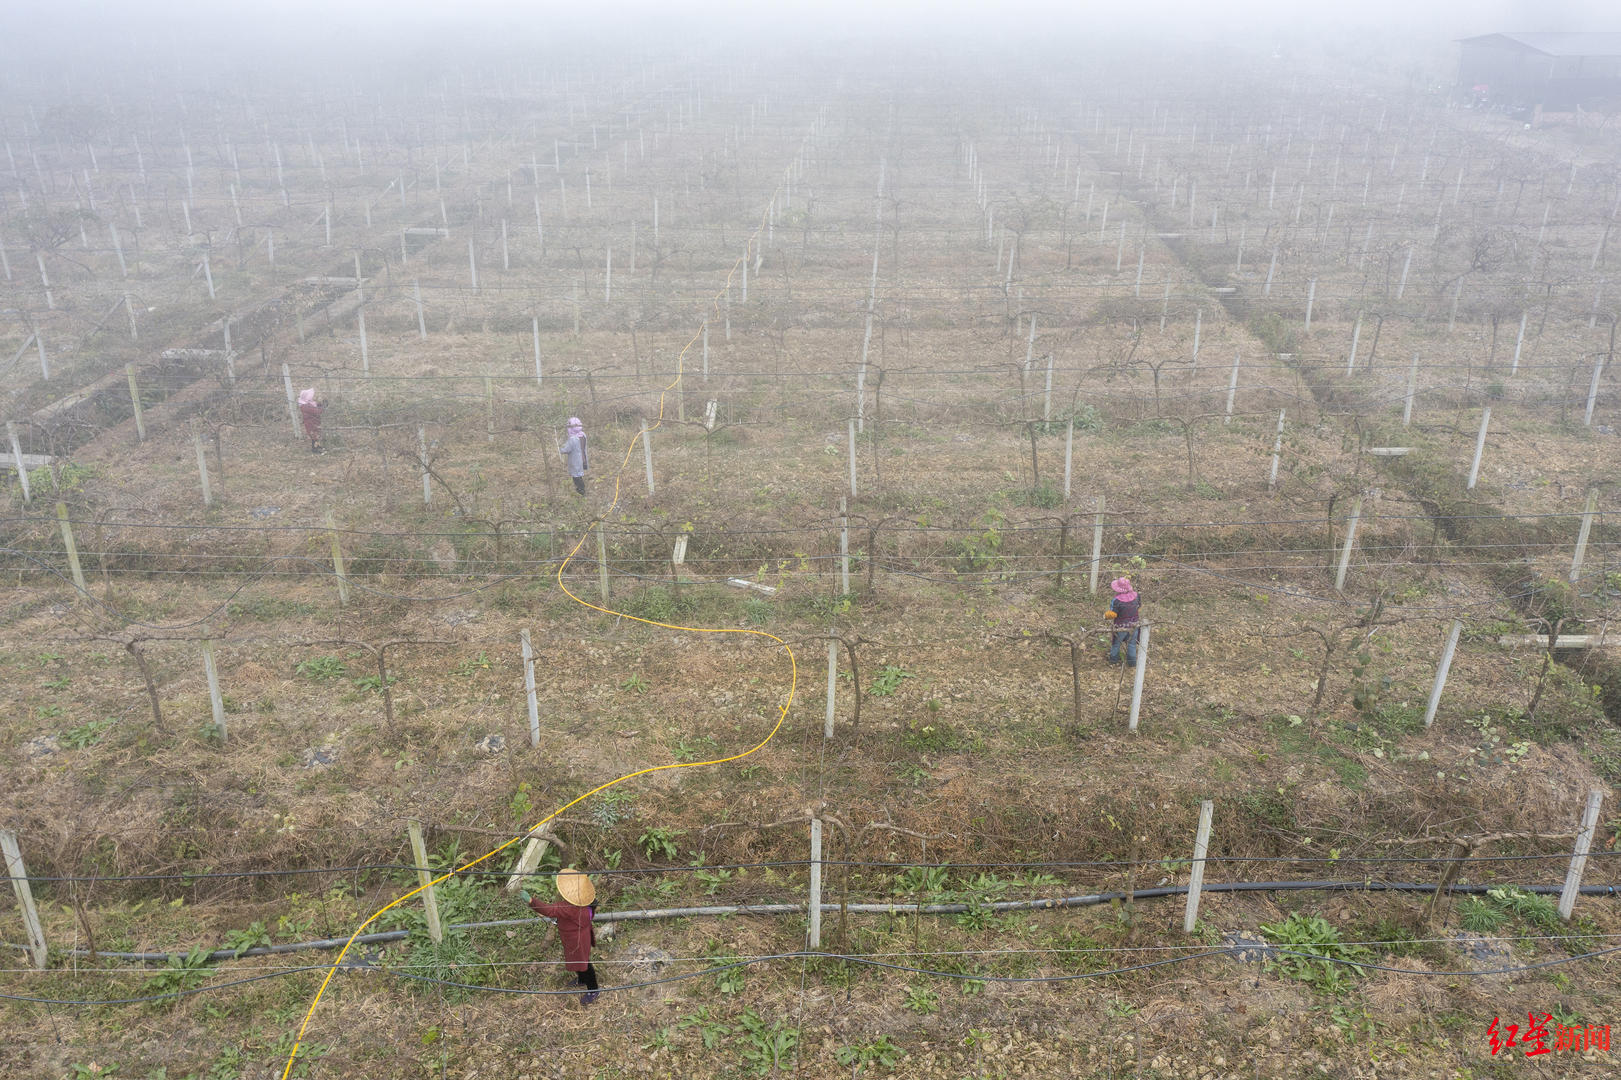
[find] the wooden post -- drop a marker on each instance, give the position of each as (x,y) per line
(1581,534)
(852,459)
(1232,388)
(1441,670)
(1097,546)
(832,680)
(814,938)
(202,468)
(1350,542)
(337,561)
(647,455)
(1069,454)
(214,699)
(422,463)
(602,562)
(529,687)
(135,403)
(1277,453)
(1578,858)
(489,409)
(1480,446)
(72,548)
(17,457)
(25,898)
(1137,679)
(292,405)
(1201,845)
(419,856)
(844,547)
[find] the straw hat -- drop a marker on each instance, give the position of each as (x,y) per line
(575,888)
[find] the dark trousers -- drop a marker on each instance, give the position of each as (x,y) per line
(588,977)
(579,484)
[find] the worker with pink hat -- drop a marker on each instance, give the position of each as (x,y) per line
(1123,613)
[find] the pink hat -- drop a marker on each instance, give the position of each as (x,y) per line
(1123,590)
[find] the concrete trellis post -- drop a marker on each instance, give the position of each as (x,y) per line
(1097,546)
(202,469)
(135,403)
(1232,389)
(1198,325)
(814,935)
(1582,533)
(1350,543)
(215,701)
(529,687)
(602,562)
(1401,287)
(292,406)
(17,458)
(489,409)
(706,350)
(472,263)
(365,353)
(1047,392)
(18,874)
(1069,453)
(337,561)
(1578,858)
(1201,845)
(852,442)
(1137,679)
(422,319)
(1356,337)
(832,681)
(647,455)
(71,547)
(1277,453)
(1311,299)
(1480,446)
(419,856)
(535,326)
(422,463)
(844,547)
(1441,670)
(1519,343)
(1412,388)
(1592,392)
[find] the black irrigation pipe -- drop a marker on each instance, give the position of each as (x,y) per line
(1091,900)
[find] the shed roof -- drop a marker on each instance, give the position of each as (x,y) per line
(1586,44)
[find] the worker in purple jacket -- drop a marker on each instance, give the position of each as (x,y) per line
(1123,613)
(573,453)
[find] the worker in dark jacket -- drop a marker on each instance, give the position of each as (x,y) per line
(1123,614)
(574,917)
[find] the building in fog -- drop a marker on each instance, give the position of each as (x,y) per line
(1551,72)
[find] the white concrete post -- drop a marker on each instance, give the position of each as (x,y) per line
(1198,324)
(135,403)
(1356,336)
(852,441)
(844,547)
(365,353)
(202,469)
(706,350)
(430,903)
(1201,845)
(535,326)
(1350,542)
(1412,387)
(1069,454)
(1137,680)
(529,687)
(1582,532)
(292,404)
(17,457)
(814,938)
(1578,858)
(18,874)
(602,562)
(422,319)
(337,561)
(1480,446)
(832,681)
(1311,298)
(1047,393)
(214,699)
(1277,454)
(1441,670)
(1232,389)
(1519,343)
(1592,392)
(1097,545)
(647,455)
(422,464)
(72,548)
(472,263)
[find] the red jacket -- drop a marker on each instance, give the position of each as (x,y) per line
(574,927)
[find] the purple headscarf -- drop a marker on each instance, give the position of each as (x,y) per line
(575,427)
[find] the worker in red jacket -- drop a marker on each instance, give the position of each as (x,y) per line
(574,917)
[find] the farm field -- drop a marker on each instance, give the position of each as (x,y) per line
(890,363)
